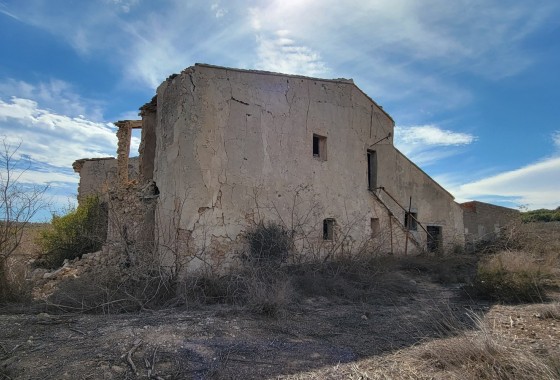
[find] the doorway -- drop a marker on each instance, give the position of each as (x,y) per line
(434,238)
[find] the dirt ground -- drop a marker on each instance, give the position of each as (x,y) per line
(315,338)
(221,341)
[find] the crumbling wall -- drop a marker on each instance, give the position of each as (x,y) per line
(98,175)
(236,147)
(131,219)
(147,149)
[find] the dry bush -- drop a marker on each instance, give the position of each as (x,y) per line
(269,243)
(549,311)
(117,288)
(511,277)
(449,269)
(362,279)
(484,355)
(18,288)
(263,289)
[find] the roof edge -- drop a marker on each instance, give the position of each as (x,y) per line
(264,72)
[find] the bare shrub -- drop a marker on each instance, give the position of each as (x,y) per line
(511,277)
(114,290)
(19,204)
(269,243)
(374,279)
(262,289)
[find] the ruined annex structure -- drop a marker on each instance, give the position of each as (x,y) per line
(484,221)
(224,150)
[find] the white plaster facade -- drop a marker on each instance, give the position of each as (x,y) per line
(233,147)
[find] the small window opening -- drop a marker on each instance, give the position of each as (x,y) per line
(328,229)
(374,227)
(372,169)
(135,138)
(320,147)
(410,220)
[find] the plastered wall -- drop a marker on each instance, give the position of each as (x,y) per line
(235,147)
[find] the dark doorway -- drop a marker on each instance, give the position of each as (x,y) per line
(434,238)
(372,169)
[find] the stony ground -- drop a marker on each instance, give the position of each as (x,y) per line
(224,342)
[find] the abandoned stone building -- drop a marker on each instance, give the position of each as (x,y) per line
(223,150)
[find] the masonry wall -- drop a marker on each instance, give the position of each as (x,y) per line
(235,147)
(414,189)
(98,175)
(484,221)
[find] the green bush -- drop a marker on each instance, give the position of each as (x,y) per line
(541,215)
(81,231)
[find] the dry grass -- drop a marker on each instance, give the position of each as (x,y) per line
(512,277)
(467,354)
(484,355)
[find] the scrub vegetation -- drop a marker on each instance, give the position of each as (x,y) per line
(488,315)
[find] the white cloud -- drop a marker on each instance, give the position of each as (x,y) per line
(281,54)
(41,177)
(534,185)
(431,135)
(427,144)
(55,94)
(51,137)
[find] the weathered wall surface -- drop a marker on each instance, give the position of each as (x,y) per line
(483,221)
(235,147)
(98,175)
(413,188)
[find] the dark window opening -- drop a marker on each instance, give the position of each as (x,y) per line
(372,169)
(328,229)
(320,147)
(434,238)
(410,220)
(375,227)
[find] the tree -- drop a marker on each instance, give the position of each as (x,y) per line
(19,203)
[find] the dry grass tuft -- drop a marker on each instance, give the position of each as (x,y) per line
(512,277)
(483,354)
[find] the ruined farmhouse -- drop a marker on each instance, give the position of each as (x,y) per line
(224,150)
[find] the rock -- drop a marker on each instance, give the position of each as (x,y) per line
(118,369)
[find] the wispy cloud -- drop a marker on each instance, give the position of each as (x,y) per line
(279,53)
(218,10)
(427,144)
(556,139)
(123,5)
(54,94)
(483,37)
(534,186)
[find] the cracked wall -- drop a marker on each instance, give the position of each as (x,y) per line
(233,148)
(98,175)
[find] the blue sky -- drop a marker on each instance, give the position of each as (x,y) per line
(473,85)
